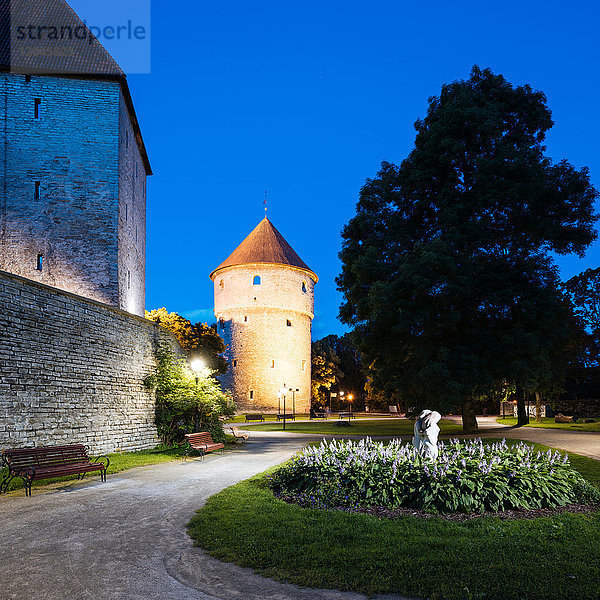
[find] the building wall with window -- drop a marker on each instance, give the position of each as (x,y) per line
(267,329)
(72,185)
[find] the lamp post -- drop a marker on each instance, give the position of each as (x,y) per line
(294,399)
(197,366)
(283,394)
(342,400)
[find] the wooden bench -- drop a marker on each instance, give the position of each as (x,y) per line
(47,462)
(286,416)
(254,418)
(203,442)
(238,434)
(319,415)
(346,415)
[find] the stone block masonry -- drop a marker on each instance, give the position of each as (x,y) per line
(72,370)
(72,188)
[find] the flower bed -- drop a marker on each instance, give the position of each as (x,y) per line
(468,476)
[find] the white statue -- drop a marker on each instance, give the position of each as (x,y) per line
(426,433)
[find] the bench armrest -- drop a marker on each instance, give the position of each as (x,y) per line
(104,458)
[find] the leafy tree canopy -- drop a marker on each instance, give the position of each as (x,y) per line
(325,372)
(446,267)
(197,340)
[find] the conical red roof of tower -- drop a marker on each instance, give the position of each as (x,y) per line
(264,245)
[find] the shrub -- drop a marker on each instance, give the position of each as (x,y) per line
(185,403)
(467,476)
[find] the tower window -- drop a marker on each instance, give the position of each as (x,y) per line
(39,262)
(38,185)
(273,364)
(251,394)
(126,211)
(288,323)
(235,363)
(304,286)
(221,284)
(245,318)
(256,280)
(303,366)
(128,280)
(37,102)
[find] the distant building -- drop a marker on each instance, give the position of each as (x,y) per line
(264,305)
(73,164)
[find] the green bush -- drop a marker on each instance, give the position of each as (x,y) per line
(186,402)
(467,476)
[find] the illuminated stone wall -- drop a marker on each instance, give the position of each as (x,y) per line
(86,214)
(267,329)
(72,370)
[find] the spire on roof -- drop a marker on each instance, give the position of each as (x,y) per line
(264,245)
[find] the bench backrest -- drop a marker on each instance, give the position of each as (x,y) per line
(46,456)
(196,439)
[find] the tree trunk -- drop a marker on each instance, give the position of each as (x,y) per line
(468,417)
(522,416)
(538,407)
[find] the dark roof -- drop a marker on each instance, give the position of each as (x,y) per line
(62,45)
(264,245)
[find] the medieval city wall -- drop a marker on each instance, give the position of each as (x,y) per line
(72,370)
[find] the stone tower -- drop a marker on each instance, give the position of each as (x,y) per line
(264,305)
(73,164)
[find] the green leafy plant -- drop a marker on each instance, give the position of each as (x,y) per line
(186,402)
(467,476)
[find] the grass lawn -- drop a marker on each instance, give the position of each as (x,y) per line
(398,427)
(118,462)
(551,558)
(548,423)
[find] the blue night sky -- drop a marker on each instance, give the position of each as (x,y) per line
(306,99)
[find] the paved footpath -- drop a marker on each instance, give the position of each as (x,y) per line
(126,539)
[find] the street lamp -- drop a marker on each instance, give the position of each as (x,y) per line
(197,366)
(294,399)
(283,394)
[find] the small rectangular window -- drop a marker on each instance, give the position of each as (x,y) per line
(38,185)
(251,394)
(37,102)
(126,211)
(288,323)
(40,262)
(235,363)
(245,318)
(128,280)
(303,366)
(272,364)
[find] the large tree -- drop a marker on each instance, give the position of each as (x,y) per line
(198,340)
(446,273)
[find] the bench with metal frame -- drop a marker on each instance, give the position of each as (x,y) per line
(254,418)
(48,462)
(238,434)
(286,416)
(203,442)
